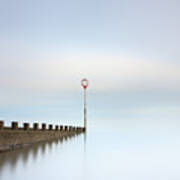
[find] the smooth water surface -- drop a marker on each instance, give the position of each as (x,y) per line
(143,151)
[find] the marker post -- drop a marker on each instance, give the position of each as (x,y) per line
(84,84)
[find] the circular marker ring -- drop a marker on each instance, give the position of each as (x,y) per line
(84,83)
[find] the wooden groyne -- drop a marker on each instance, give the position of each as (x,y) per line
(18,137)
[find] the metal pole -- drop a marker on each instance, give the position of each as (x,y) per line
(85,111)
(84,84)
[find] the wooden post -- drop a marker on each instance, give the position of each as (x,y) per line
(26,126)
(65,128)
(61,128)
(56,127)
(14,125)
(43,126)
(35,126)
(1,124)
(50,126)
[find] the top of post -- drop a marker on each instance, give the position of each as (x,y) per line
(84,83)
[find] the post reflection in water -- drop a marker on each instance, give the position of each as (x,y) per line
(29,153)
(84,156)
(85,139)
(98,155)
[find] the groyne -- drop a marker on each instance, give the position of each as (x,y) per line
(18,137)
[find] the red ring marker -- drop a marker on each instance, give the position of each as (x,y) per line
(84,83)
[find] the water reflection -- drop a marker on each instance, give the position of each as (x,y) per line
(128,154)
(85,139)
(10,159)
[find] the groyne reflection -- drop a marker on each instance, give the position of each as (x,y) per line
(31,152)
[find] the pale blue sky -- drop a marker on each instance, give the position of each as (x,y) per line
(137,26)
(129,50)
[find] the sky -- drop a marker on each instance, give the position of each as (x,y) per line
(128,49)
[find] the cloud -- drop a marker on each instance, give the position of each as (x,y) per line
(105,72)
